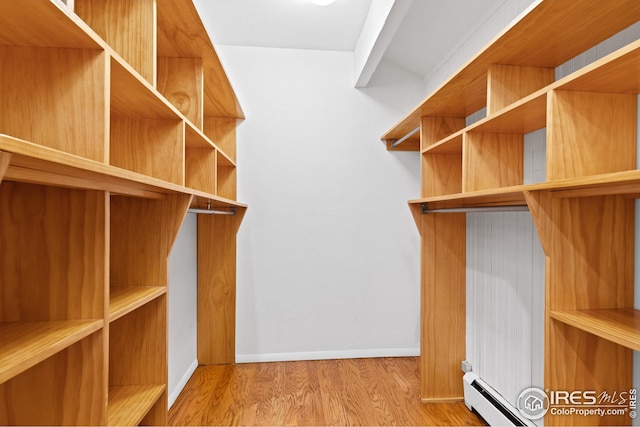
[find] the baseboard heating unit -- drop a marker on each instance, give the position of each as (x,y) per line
(486,402)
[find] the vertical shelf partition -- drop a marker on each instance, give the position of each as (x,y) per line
(112,132)
(584,211)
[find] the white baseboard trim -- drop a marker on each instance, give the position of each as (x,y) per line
(326,355)
(183,382)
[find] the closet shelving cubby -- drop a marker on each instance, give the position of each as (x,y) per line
(583,211)
(117,118)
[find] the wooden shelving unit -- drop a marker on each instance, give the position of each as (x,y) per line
(115,125)
(584,211)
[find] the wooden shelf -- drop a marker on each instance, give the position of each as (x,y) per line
(25,344)
(505,196)
(128,405)
(37,164)
(114,110)
(583,212)
(621,326)
(125,299)
(176,40)
(44,23)
(626,183)
(544,40)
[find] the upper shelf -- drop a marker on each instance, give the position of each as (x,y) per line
(191,41)
(45,23)
(35,163)
(548,34)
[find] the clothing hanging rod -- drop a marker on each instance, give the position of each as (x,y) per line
(212,211)
(513,208)
(396,142)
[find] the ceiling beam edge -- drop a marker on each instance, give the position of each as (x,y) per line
(383,20)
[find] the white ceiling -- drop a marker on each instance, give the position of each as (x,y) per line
(430,30)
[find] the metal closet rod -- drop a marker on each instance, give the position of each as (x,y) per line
(209,211)
(396,142)
(512,208)
(212,211)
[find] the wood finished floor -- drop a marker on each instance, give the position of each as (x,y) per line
(373,392)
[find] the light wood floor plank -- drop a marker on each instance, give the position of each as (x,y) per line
(373,392)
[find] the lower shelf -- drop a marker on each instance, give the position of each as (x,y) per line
(621,326)
(124,299)
(25,344)
(128,405)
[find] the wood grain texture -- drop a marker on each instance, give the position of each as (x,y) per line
(308,393)
(589,266)
(200,169)
(492,161)
(550,34)
(142,233)
(443,302)
(180,80)
(128,405)
(137,346)
(175,39)
(25,344)
(42,165)
(132,96)
(43,24)
(615,73)
(149,147)
(222,131)
(433,129)
(128,26)
(217,287)
(62,390)
(49,87)
(226,181)
(125,299)
(621,326)
(507,84)
(52,253)
(441,174)
(582,361)
(590,134)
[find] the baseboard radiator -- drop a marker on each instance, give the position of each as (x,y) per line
(489,404)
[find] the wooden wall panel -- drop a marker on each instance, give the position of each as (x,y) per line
(150,147)
(433,129)
(441,174)
(590,134)
(52,253)
(217,287)
(443,332)
(222,131)
(589,266)
(62,390)
(492,160)
(129,27)
(507,84)
(181,81)
(47,87)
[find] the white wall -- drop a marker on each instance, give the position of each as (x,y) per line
(328,254)
(183,294)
